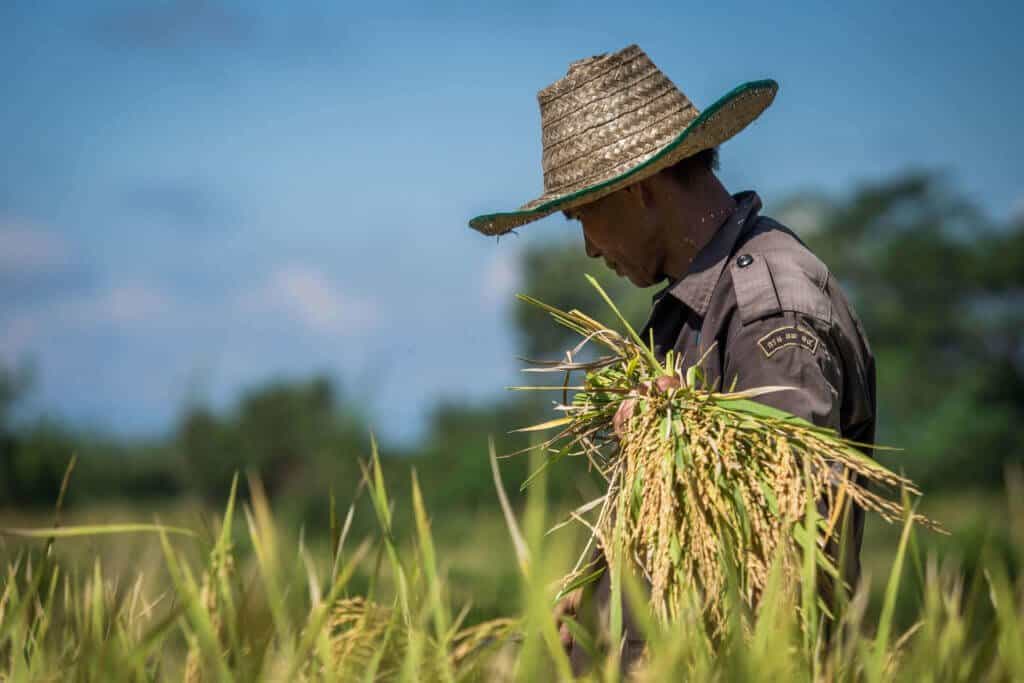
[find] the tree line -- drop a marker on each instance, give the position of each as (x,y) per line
(939,287)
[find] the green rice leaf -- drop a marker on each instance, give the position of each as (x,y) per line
(550,424)
(95,530)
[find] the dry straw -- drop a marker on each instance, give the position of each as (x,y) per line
(615,119)
(702,484)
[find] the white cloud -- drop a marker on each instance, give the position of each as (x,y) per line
(124,304)
(501,276)
(129,304)
(308,296)
(26,249)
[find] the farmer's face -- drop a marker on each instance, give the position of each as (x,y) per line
(622,228)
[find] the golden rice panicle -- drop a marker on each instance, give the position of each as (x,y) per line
(703,484)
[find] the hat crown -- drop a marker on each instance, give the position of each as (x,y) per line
(582,64)
(609,113)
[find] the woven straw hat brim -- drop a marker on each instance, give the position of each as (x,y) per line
(722,120)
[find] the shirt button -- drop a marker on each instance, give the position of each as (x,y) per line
(744,260)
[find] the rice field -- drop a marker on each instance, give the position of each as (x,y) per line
(708,521)
(239,597)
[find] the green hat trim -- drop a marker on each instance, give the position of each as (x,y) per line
(480,222)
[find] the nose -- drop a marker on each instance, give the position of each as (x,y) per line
(592,251)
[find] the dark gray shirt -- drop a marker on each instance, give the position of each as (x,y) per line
(761,309)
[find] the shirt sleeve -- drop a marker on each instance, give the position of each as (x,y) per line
(786,349)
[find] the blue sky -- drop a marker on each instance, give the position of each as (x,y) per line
(198,196)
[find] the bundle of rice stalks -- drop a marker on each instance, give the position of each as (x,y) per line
(701,484)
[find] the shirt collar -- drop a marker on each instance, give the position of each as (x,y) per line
(695,288)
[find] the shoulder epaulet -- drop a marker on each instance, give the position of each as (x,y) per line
(773,271)
(756,297)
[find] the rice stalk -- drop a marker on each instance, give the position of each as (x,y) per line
(703,483)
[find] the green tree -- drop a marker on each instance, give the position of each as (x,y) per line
(289,432)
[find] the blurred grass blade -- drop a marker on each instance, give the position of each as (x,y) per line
(879,653)
(518,541)
(95,530)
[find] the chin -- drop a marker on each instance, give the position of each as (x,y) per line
(641,282)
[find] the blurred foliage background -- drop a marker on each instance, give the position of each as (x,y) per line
(939,287)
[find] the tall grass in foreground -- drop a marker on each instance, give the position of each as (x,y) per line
(280,613)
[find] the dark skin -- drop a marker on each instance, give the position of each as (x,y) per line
(647,232)
(652,229)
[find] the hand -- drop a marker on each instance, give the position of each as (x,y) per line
(567,607)
(662,384)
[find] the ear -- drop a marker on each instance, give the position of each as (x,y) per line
(644,192)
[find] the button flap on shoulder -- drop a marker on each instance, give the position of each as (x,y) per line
(755,292)
(800,282)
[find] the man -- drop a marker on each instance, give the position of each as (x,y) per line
(630,157)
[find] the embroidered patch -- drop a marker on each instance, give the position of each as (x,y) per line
(787,336)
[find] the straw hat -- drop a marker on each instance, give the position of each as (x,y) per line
(616,119)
